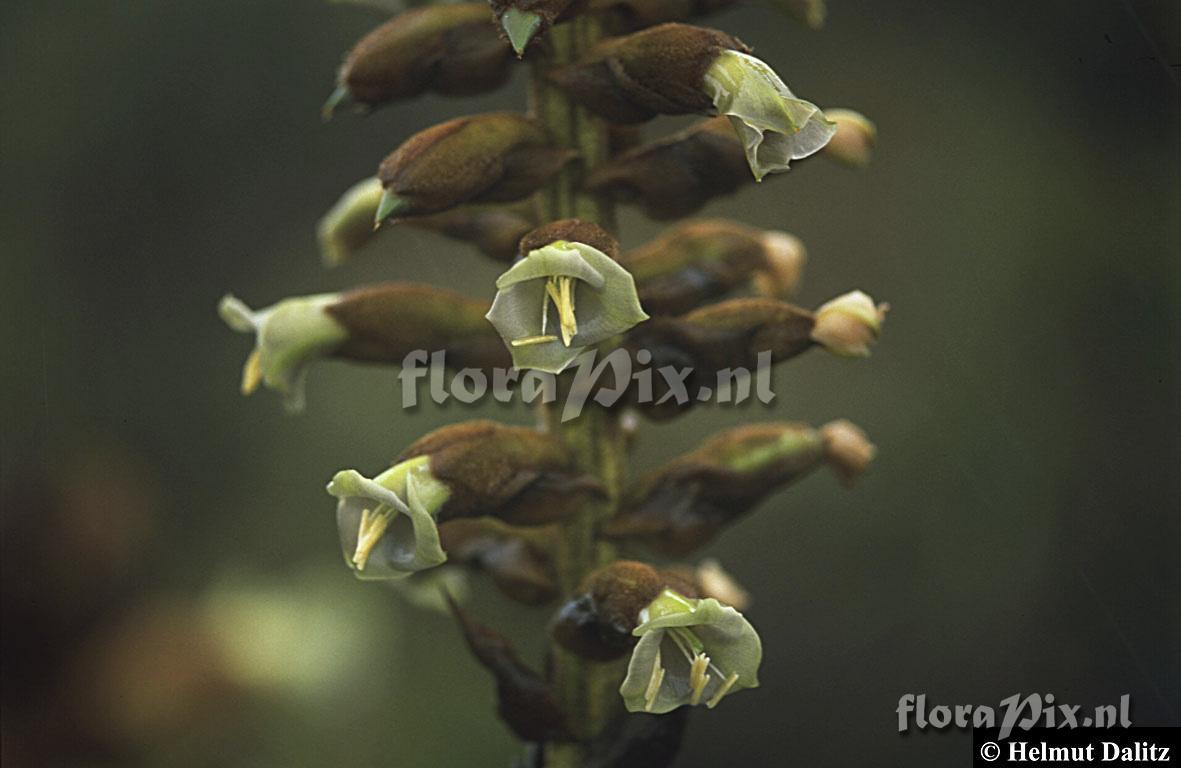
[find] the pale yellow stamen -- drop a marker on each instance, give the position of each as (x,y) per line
(529,341)
(373,527)
(561,292)
(698,678)
(252,372)
(654,684)
(723,690)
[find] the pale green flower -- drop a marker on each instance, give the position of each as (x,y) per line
(773,125)
(387,525)
(288,336)
(560,299)
(690,652)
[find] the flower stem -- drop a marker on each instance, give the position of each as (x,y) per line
(587,690)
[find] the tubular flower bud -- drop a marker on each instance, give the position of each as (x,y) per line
(497,157)
(563,296)
(517,559)
(774,126)
(848,324)
(687,502)
(448,49)
(699,261)
(348,225)
(383,323)
(516,474)
(675,176)
(691,651)
(288,336)
(387,525)
(847,450)
(854,141)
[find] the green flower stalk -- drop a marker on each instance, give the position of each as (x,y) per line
(448,49)
(563,297)
(691,652)
(774,126)
(387,525)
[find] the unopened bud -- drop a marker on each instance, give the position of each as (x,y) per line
(848,324)
(447,49)
(785,260)
(847,450)
(702,260)
(497,157)
(854,141)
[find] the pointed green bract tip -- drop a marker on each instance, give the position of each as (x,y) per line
(520,26)
(391,205)
(338,97)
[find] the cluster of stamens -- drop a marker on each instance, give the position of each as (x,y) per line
(560,291)
(700,667)
(374,523)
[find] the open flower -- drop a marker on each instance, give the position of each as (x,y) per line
(387,525)
(774,126)
(289,335)
(690,652)
(560,299)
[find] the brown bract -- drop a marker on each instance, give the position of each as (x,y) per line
(517,474)
(683,505)
(598,622)
(518,560)
(525,702)
(675,176)
(657,71)
(729,334)
(494,230)
(550,12)
(697,262)
(571,231)
(386,322)
(490,158)
(639,14)
(448,49)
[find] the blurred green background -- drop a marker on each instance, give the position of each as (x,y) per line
(173,595)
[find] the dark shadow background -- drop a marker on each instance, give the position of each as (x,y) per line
(172,590)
